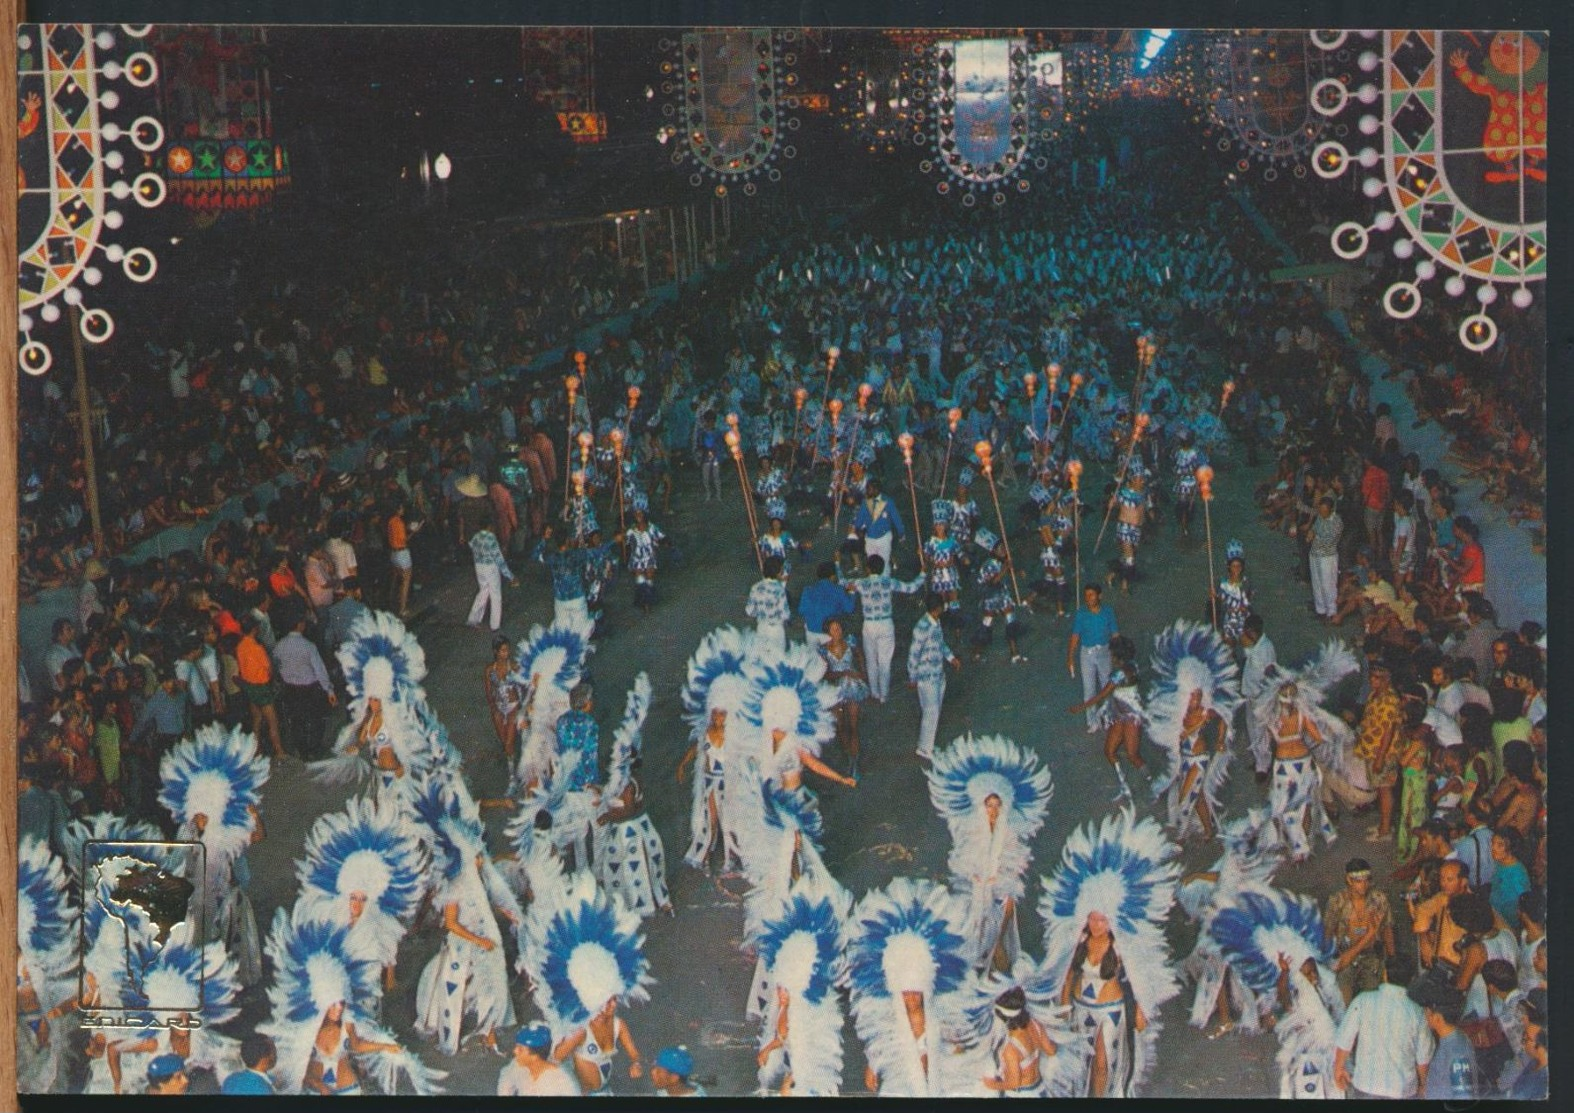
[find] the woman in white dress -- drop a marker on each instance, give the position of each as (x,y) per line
(712,698)
(630,861)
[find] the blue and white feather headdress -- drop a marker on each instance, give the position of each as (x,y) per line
(716,675)
(218,774)
(787,692)
(382,661)
(369,850)
(46,921)
(1126,869)
(1314,682)
(1259,926)
(200,979)
(106,827)
(1190,657)
(570,809)
(454,820)
(583,949)
(974,768)
(626,741)
(314,968)
(906,938)
(801,945)
(982,1031)
(554,654)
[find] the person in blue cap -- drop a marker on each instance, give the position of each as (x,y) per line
(259,1054)
(167,1075)
(670,1074)
(532,1073)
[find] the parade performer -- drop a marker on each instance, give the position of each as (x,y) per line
(631,862)
(845,671)
(879,523)
(1233,595)
(47,934)
(712,704)
(1131,503)
(546,828)
(198,982)
(964,516)
(1189,712)
(586,959)
(801,945)
(503,695)
(324,1000)
(906,966)
(874,591)
(1292,715)
(1187,459)
(1020,1037)
(1103,911)
(1252,853)
(1121,713)
(212,785)
(1274,942)
(768,604)
(927,659)
(1052,584)
(551,663)
(941,554)
(996,605)
(469,974)
(788,706)
(993,796)
(641,541)
(776,541)
(566,566)
(365,870)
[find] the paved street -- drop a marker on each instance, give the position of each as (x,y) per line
(882,829)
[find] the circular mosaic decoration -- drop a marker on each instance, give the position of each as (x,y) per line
(735,91)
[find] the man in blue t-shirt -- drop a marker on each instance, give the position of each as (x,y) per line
(822,601)
(1091,631)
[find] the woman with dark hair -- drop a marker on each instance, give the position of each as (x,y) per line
(1516,800)
(1102,1000)
(1018,1057)
(844,670)
(1122,710)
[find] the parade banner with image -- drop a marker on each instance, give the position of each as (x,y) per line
(1459,158)
(989,111)
(1263,97)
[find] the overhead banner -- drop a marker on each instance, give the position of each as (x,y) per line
(1263,86)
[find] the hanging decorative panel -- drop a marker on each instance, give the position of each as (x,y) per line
(1263,82)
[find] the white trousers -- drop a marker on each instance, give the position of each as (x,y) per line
(569,612)
(489,596)
(1325,585)
(773,634)
(881,547)
(879,648)
(1094,662)
(930,695)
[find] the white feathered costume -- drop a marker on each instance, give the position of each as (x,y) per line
(802,943)
(549,663)
(984,1034)
(1191,657)
(630,860)
(47,929)
(987,862)
(715,683)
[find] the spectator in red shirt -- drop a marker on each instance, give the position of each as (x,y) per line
(1376,494)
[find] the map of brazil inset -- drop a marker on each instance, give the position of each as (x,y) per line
(148,895)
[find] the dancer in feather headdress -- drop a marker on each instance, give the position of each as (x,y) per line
(365,870)
(47,939)
(200,983)
(1189,710)
(551,663)
(631,862)
(1104,910)
(1252,852)
(546,828)
(801,944)
(1018,1037)
(382,660)
(1291,714)
(212,785)
(993,795)
(469,974)
(906,966)
(108,827)
(712,702)
(586,958)
(324,1002)
(1275,944)
(788,705)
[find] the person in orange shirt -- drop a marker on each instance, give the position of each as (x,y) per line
(400,568)
(255,674)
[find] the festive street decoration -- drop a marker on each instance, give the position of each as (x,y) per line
(1263,83)
(559,68)
(81,151)
(1458,125)
(734,94)
(215,99)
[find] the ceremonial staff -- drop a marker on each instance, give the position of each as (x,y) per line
(1205,490)
(864,391)
(572,384)
(1071,396)
(954,417)
(616,437)
(834,408)
(628,422)
(905,442)
(735,446)
(1139,426)
(1052,375)
(799,397)
(1074,474)
(832,354)
(985,456)
(1030,384)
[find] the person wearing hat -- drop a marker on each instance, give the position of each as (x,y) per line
(670,1074)
(1232,599)
(167,1075)
(532,1073)
(1187,459)
(927,659)
(964,516)
(1383,1045)
(640,542)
